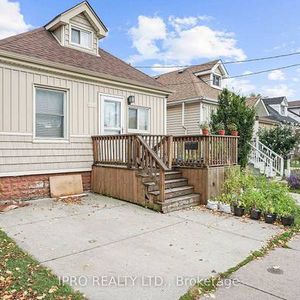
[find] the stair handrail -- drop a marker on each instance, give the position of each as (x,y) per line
(278,161)
(265,158)
(147,160)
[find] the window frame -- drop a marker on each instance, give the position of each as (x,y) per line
(80,29)
(220,80)
(65,138)
(149,120)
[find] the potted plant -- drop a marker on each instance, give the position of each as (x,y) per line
(254,199)
(224,203)
(205,128)
(269,212)
(233,129)
(239,208)
(212,204)
(220,128)
(286,210)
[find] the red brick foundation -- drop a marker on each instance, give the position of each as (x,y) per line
(33,186)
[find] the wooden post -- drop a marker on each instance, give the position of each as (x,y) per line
(170,151)
(162,185)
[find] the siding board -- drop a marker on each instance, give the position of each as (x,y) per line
(19,153)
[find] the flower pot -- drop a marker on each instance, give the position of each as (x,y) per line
(213,205)
(255,214)
(287,220)
(224,207)
(238,211)
(205,131)
(221,132)
(270,218)
(234,133)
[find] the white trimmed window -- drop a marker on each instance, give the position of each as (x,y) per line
(82,38)
(138,119)
(50,113)
(216,80)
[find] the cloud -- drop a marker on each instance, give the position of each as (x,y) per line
(11,19)
(240,86)
(146,34)
(276,75)
(180,41)
(278,90)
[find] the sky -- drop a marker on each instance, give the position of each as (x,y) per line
(175,32)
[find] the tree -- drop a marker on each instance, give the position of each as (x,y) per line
(280,139)
(233,110)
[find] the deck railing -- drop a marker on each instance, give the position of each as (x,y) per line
(150,154)
(205,151)
(186,150)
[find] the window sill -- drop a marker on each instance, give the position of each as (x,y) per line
(49,140)
(138,131)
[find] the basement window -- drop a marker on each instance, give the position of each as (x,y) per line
(81,38)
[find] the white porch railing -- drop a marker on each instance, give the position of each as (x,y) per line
(265,159)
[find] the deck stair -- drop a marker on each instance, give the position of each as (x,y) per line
(265,161)
(178,193)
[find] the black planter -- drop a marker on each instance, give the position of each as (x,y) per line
(287,221)
(255,214)
(238,211)
(270,218)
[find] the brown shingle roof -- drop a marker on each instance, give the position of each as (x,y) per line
(294,103)
(41,44)
(251,101)
(186,85)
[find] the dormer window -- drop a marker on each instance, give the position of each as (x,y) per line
(80,37)
(216,80)
(283,110)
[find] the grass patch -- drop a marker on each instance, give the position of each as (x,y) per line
(22,277)
(209,285)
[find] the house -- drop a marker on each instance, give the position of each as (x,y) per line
(270,112)
(195,96)
(69,107)
(57,90)
(294,110)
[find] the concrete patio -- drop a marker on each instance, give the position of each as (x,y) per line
(110,249)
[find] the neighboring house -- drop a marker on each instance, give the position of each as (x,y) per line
(294,110)
(270,112)
(57,90)
(195,96)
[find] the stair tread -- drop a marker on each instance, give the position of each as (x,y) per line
(167,181)
(166,173)
(172,190)
(179,198)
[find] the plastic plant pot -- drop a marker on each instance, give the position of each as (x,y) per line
(270,218)
(213,205)
(224,207)
(255,214)
(238,211)
(287,220)
(221,132)
(234,133)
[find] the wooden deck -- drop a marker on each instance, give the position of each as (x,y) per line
(138,168)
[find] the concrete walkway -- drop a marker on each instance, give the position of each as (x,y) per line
(260,280)
(110,249)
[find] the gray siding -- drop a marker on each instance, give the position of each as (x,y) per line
(174,120)
(192,118)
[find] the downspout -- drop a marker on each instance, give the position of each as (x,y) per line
(182,118)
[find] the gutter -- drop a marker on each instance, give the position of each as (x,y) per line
(192,100)
(45,65)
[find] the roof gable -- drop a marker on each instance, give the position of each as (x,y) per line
(81,8)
